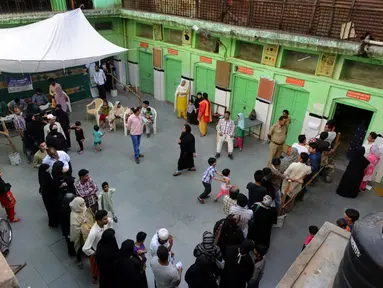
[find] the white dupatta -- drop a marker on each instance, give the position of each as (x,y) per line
(181,90)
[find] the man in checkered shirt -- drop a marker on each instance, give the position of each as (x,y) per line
(87,189)
(225,130)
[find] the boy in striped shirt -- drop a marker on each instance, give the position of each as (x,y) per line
(207,178)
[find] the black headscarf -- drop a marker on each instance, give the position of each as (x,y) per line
(57,169)
(55,139)
(45,179)
(106,257)
(130,272)
(63,182)
(187,140)
(62,117)
(200,275)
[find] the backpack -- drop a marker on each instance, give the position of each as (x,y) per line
(253,115)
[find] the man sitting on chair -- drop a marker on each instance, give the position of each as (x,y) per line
(225,130)
(147,116)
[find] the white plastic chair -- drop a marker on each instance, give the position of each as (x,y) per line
(68,103)
(98,113)
(154,120)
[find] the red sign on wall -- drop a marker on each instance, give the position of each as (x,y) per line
(144,45)
(205,59)
(245,70)
(295,81)
(173,51)
(358,95)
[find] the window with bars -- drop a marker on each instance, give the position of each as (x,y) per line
(362,73)
(144,30)
(299,61)
(173,36)
(24,6)
(207,43)
(248,51)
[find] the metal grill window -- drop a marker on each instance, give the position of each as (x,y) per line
(313,17)
(207,43)
(144,30)
(173,36)
(249,52)
(103,26)
(24,6)
(300,61)
(363,74)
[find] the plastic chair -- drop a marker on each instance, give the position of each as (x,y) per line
(68,103)
(126,115)
(93,107)
(154,120)
(98,112)
(122,120)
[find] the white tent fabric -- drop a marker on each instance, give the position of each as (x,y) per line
(64,40)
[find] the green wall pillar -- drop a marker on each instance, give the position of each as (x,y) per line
(107,4)
(58,5)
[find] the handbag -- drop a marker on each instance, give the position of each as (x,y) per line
(253,115)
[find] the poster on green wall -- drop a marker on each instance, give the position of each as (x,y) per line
(19,83)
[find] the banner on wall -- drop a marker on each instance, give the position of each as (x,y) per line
(19,84)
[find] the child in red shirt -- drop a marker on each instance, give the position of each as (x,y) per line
(7,200)
(313,230)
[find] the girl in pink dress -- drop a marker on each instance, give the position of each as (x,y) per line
(373,157)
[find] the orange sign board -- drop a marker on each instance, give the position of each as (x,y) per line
(358,95)
(245,70)
(144,45)
(205,59)
(173,51)
(295,81)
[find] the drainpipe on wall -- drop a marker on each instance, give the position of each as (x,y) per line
(373,42)
(58,5)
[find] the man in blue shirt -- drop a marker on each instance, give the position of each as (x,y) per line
(17,103)
(315,157)
(39,98)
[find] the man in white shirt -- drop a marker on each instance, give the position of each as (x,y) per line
(54,155)
(241,210)
(52,120)
(295,174)
(301,145)
(100,79)
(161,237)
(225,129)
(94,236)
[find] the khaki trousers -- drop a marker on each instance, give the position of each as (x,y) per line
(275,151)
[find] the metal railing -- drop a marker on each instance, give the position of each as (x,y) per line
(326,18)
(24,6)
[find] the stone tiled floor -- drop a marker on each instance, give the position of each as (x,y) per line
(149,197)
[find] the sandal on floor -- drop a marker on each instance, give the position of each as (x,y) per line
(192,169)
(175,174)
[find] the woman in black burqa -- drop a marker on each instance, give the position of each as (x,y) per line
(48,194)
(106,257)
(55,139)
(228,233)
(130,270)
(350,183)
(200,275)
(187,145)
(239,266)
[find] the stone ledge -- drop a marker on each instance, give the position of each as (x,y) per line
(7,278)
(318,264)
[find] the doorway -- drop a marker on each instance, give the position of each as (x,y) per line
(146,72)
(173,73)
(244,96)
(352,122)
(205,81)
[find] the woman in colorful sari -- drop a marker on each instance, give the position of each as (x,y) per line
(58,95)
(373,157)
(181,99)
(117,112)
(204,114)
(240,131)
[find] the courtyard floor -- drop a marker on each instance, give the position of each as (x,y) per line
(148,197)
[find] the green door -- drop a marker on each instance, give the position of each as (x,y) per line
(244,96)
(296,102)
(173,71)
(146,72)
(205,81)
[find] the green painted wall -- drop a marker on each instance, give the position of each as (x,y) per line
(104,4)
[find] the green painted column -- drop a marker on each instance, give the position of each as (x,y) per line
(58,5)
(107,4)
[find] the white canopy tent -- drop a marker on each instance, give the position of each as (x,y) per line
(64,40)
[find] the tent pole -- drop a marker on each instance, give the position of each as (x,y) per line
(72,4)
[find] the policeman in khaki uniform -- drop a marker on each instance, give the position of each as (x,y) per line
(277,136)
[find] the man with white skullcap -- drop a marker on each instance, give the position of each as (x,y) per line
(161,237)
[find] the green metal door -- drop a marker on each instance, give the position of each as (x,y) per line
(146,72)
(296,102)
(205,81)
(244,96)
(173,71)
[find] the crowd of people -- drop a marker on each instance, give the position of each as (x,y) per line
(231,255)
